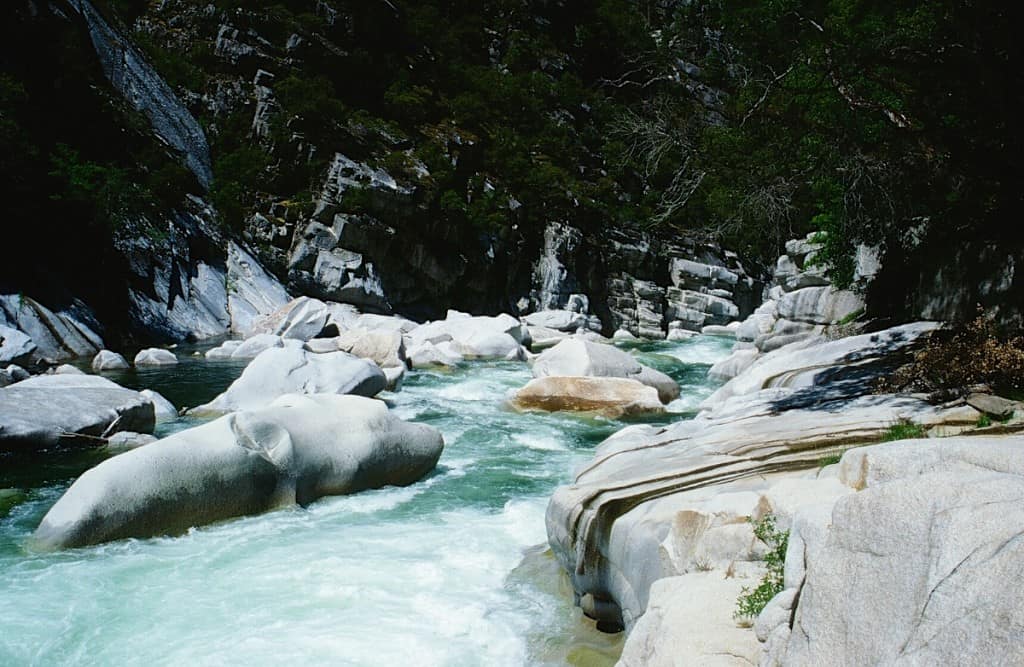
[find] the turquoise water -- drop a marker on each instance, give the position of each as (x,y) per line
(445,572)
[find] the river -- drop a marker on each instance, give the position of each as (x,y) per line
(452,570)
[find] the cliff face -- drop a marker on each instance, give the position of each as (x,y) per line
(405,157)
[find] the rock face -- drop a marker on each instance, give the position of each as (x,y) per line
(291,369)
(143,88)
(30,329)
(582,358)
(932,537)
(612,397)
(295,450)
(51,410)
(609,528)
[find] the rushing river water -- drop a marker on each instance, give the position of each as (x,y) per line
(448,571)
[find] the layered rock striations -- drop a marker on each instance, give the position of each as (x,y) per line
(662,512)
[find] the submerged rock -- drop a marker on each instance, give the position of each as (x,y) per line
(50,410)
(288,370)
(294,450)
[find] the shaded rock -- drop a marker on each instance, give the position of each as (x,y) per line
(155,356)
(612,397)
(61,334)
(106,360)
(14,345)
(50,410)
(294,450)
(125,440)
(288,370)
(559,320)
(993,406)
(163,409)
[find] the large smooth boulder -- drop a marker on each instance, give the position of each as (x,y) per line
(384,347)
(288,370)
(50,410)
(609,396)
(155,356)
(105,360)
(934,539)
(576,357)
(294,450)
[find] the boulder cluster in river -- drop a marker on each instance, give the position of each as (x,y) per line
(655,533)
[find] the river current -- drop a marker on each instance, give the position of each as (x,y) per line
(453,570)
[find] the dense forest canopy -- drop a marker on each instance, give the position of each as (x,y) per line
(887,123)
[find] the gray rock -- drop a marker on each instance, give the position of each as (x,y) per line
(427,355)
(252,347)
(14,345)
(105,360)
(295,450)
(582,358)
(288,370)
(155,356)
(252,293)
(125,440)
(224,350)
(993,406)
(50,410)
(933,539)
(61,334)
(819,305)
(67,369)
(384,348)
(559,320)
(162,408)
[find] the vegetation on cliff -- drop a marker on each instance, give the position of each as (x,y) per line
(748,121)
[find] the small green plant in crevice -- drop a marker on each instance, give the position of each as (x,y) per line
(751,602)
(830,460)
(904,430)
(984,421)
